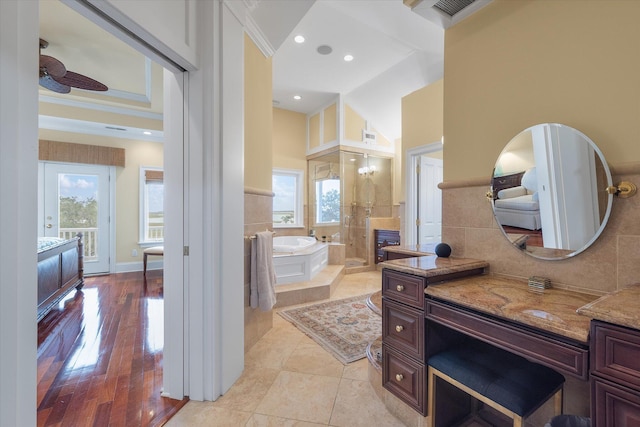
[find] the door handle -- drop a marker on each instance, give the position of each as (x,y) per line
(49,225)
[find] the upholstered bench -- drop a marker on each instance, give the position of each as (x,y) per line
(502,380)
(154,250)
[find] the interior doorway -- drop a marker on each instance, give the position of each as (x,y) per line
(171,80)
(424,199)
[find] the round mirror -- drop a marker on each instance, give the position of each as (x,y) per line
(549,191)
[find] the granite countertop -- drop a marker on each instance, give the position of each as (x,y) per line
(553,310)
(432,265)
(416,250)
(620,307)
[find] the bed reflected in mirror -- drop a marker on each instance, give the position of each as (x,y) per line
(549,191)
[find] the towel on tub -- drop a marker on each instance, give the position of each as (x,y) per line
(263,275)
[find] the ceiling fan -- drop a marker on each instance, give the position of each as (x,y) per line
(54,76)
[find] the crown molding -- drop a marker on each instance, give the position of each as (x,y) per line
(243,10)
(101,129)
(69,102)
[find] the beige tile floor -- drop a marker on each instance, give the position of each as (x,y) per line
(289,380)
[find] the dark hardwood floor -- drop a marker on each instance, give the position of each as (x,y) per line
(535,236)
(100,355)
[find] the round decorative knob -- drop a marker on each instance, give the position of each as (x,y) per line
(399,328)
(399,288)
(399,377)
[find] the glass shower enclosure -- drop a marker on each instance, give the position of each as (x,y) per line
(346,189)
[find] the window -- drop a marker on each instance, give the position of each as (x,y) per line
(327,201)
(287,202)
(151,205)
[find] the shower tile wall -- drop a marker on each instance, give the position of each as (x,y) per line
(363,195)
(258,216)
(372,194)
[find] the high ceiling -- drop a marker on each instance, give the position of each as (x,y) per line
(395,53)
(133,103)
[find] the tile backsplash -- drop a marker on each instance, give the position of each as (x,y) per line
(610,263)
(258,216)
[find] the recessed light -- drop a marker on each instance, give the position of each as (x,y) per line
(146,132)
(324,49)
(299,39)
(348,58)
(297,97)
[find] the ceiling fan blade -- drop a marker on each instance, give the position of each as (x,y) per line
(48,82)
(52,66)
(81,82)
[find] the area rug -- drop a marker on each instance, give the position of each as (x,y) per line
(342,327)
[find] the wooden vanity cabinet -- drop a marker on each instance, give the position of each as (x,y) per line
(404,371)
(615,375)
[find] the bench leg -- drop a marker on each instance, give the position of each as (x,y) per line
(144,264)
(431,416)
(558,402)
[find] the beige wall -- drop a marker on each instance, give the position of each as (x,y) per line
(289,151)
(330,124)
(422,123)
(515,64)
(259,134)
(137,154)
(289,136)
(258,117)
(353,124)
(258,216)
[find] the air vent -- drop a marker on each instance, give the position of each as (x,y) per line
(451,7)
(446,13)
(368,137)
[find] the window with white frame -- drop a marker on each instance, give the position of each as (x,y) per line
(328,201)
(151,205)
(287,185)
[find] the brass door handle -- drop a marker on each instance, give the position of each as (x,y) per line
(399,288)
(399,328)
(399,377)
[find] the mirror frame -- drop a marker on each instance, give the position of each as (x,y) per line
(552,254)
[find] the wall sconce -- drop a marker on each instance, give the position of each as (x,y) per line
(367,170)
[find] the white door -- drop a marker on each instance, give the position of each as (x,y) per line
(567,189)
(429,201)
(75,199)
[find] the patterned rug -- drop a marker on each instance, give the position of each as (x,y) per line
(342,327)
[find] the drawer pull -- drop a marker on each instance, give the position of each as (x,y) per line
(399,377)
(399,288)
(399,328)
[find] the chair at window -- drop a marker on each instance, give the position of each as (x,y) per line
(155,251)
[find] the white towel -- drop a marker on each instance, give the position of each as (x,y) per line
(263,275)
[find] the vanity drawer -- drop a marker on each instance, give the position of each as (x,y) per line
(404,288)
(546,349)
(616,353)
(614,405)
(404,377)
(403,328)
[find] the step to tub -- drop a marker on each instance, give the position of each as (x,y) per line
(319,288)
